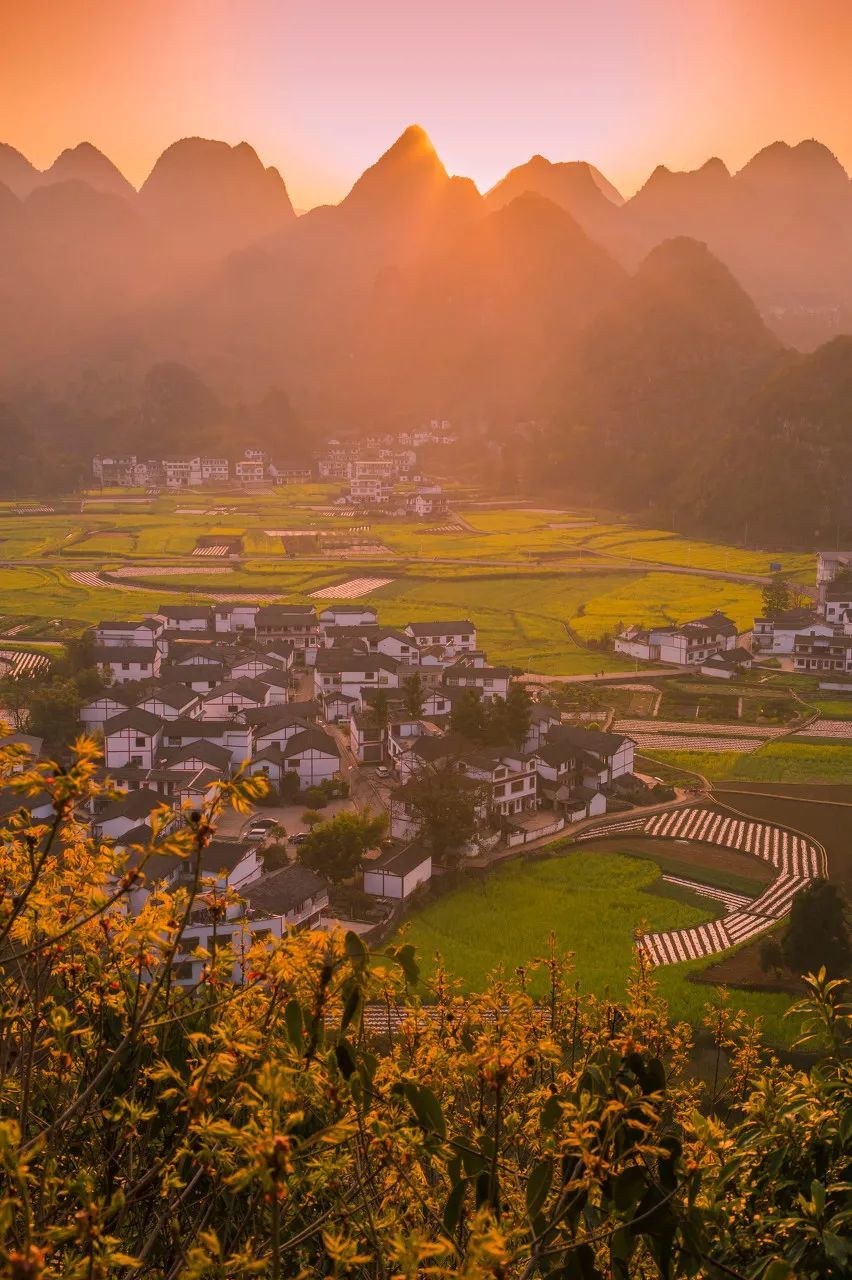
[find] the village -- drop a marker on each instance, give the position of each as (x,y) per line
(380,471)
(338,713)
(327,706)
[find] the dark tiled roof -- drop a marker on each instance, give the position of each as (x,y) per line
(124,653)
(223,855)
(284,890)
(463,628)
(310,740)
(399,862)
(134,718)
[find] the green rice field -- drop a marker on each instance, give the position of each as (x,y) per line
(592,903)
(776,762)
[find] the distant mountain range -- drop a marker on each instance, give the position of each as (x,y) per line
(651,340)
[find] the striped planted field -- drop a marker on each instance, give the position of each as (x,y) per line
(350,590)
(796,857)
(19,662)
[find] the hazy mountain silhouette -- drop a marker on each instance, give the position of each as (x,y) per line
(208,198)
(575,186)
(16,172)
(483,322)
(84,163)
(644,332)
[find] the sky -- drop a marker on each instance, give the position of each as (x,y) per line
(321,88)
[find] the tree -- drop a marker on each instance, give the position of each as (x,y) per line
(414,695)
(312,818)
(15,692)
(380,709)
(334,849)
(517,714)
(817,933)
(467,716)
(54,712)
(275,856)
(447,806)
(775,596)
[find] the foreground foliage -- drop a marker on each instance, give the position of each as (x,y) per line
(276,1129)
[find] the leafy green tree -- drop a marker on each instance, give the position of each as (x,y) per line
(517,714)
(775,596)
(817,932)
(447,806)
(54,712)
(414,695)
(312,818)
(334,849)
(380,709)
(275,856)
(467,716)
(15,693)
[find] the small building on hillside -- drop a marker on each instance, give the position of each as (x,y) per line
(777,635)
(724,666)
(396,873)
(687,645)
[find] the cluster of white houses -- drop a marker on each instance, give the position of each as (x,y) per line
(708,644)
(817,639)
(195,692)
(194,471)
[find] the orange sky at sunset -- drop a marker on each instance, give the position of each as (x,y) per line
(321,87)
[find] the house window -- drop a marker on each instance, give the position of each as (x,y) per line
(141,742)
(136,760)
(518,786)
(183,971)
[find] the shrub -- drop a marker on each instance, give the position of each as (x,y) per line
(315,798)
(151,1130)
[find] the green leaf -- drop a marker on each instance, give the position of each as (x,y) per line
(350,1007)
(838,1250)
(294,1023)
(779,1270)
(550,1113)
(454,1206)
(355,950)
(818,1197)
(426,1108)
(473,1162)
(483,1188)
(405,957)
(655,1077)
(538,1185)
(622,1245)
(628,1188)
(580,1264)
(345,1059)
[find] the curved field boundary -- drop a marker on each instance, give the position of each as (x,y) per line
(102,580)
(798,859)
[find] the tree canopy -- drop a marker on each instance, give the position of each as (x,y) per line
(334,849)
